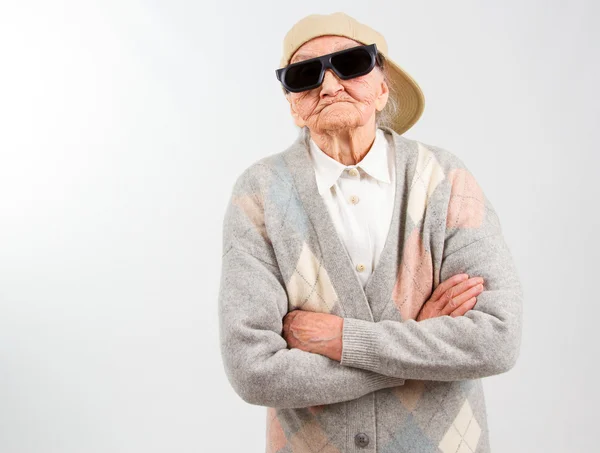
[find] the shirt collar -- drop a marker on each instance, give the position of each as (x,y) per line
(328,170)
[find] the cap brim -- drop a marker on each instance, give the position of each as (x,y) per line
(411,101)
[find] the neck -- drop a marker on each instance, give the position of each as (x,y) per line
(347,146)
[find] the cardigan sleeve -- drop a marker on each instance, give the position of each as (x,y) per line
(485,340)
(252,304)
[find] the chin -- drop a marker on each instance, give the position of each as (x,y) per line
(339,119)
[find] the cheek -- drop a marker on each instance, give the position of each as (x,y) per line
(362,90)
(364,97)
(304,103)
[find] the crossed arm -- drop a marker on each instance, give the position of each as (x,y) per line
(365,356)
(258,363)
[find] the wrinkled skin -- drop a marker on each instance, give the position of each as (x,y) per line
(340,115)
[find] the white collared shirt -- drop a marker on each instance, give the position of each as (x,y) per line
(360,200)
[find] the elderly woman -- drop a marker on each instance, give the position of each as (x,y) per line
(366,286)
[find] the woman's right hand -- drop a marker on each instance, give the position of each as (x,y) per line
(453,297)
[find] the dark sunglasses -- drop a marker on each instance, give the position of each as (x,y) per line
(346,64)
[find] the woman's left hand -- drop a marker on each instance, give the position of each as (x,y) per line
(319,333)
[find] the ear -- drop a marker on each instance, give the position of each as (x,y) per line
(297,119)
(383,96)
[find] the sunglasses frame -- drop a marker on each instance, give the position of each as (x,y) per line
(325,61)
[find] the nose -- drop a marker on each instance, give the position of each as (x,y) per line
(331,84)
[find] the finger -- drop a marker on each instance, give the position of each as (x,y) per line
(446,285)
(465,307)
(465,285)
(288,319)
(454,299)
(286,325)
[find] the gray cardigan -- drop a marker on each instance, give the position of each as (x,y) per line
(401,385)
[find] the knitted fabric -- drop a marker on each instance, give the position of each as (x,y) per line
(403,385)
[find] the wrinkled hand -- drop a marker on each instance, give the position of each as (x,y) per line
(319,333)
(453,297)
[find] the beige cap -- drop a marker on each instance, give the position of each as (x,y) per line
(410,98)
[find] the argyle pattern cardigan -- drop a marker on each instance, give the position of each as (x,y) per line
(402,385)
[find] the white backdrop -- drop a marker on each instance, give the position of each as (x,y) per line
(123,125)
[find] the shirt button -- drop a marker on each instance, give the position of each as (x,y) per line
(354,199)
(361,439)
(353,172)
(360,267)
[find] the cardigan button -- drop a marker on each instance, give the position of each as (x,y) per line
(361,439)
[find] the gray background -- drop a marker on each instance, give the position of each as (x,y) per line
(123,127)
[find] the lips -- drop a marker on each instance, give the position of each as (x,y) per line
(331,103)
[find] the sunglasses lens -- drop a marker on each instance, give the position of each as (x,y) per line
(303,75)
(353,62)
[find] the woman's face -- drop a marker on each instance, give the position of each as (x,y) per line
(337,104)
